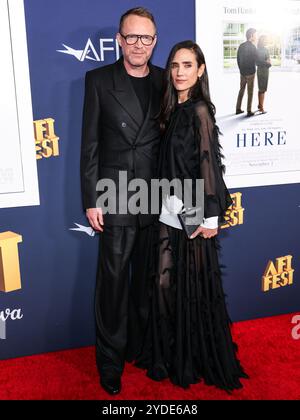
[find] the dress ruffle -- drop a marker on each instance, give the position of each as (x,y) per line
(188,336)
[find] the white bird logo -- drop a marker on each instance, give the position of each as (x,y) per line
(81,55)
(85,229)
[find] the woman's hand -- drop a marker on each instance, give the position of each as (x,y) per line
(204,232)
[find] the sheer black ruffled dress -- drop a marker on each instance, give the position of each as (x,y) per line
(188,336)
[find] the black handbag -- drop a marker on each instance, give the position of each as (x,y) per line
(185,219)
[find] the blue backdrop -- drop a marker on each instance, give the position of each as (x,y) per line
(58,265)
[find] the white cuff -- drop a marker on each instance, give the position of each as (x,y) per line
(210,222)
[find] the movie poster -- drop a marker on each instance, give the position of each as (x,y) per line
(18,173)
(255,86)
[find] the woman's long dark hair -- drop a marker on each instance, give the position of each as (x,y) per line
(200,91)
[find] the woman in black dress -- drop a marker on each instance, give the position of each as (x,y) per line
(189,329)
(263,63)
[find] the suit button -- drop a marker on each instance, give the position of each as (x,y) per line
(133,147)
(124,125)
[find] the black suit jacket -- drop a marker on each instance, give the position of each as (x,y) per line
(117,137)
(246,58)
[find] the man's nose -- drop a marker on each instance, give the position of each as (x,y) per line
(139,43)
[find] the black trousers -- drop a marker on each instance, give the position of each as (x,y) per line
(122,295)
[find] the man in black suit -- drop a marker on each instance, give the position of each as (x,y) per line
(246,59)
(121,133)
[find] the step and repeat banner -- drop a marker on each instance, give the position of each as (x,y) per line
(48,251)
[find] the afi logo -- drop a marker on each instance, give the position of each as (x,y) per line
(10,278)
(235,214)
(279,274)
(46,141)
(90,52)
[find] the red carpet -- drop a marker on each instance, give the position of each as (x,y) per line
(269,354)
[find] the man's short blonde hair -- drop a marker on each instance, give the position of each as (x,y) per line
(137,11)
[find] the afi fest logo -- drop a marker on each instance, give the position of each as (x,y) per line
(235,214)
(10,279)
(279,274)
(93,52)
(46,141)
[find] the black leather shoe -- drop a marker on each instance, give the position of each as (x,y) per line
(250,114)
(111,384)
(239,111)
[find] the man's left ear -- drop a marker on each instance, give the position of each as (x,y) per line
(201,70)
(155,41)
(118,36)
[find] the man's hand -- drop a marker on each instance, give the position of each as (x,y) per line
(95,218)
(204,232)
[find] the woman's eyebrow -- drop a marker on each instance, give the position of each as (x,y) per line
(183,62)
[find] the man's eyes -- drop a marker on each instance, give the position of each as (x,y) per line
(146,37)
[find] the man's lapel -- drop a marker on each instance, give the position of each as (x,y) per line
(155,97)
(124,93)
